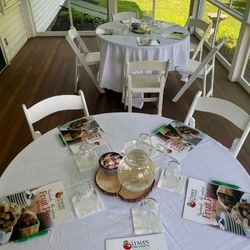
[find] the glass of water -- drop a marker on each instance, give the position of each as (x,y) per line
(86,156)
(172,174)
(84,198)
(149,213)
(144,143)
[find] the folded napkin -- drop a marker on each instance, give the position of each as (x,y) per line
(147,41)
(85,206)
(125,21)
(174,35)
(101,31)
(131,20)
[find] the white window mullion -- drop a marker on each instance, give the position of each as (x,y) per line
(242,48)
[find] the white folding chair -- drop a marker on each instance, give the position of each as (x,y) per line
(83,57)
(198,25)
(196,69)
(51,105)
(145,77)
(226,109)
(124,15)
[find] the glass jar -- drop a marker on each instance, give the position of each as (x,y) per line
(86,156)
(136,171)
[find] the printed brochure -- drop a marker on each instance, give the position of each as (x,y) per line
(29,213)
(218,205)
(176,139)
(85,129)
(144,242)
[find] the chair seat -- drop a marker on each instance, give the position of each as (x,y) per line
(146,83)
(145,77)
(92,58)
(191,67)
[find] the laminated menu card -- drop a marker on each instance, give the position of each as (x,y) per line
(84,129)
(143,242)
(146,41)
(174,35)
(176,139)
(31,213)
(220,206)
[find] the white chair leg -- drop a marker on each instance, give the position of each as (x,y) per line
(129,101)
(160,103)
(200,55)
(182,90)
(212,83)
(125,98)
(124,91)
(92,76)
(211,88)
(76,75)
(204,85)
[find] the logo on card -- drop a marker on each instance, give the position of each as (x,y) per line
(127,245)
(192,198)
(191,204)
(136,244)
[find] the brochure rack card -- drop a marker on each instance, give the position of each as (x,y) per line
(28,213)
(217,205)
(176,139)
(84,129)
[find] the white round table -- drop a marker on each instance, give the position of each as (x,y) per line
(47,159)
(118,48)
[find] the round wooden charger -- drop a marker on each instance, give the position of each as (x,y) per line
(110,185)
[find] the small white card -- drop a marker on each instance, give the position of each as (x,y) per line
(143,242)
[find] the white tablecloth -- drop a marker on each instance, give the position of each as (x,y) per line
(46,160)
(116,49)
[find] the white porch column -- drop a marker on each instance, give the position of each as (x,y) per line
(28,18)
(111,8)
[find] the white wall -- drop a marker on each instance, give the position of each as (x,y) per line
(44,12)
(12,28)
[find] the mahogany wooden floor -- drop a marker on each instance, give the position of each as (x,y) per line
(45,67)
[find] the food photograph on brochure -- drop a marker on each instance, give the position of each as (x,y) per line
(81,130)
(220,206)
(176,139)
(32,212)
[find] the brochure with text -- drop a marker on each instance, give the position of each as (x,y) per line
(143,242)
(27,214)
(219,206)
(176,139)
(85,129)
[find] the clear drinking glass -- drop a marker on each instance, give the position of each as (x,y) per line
(84,199)
(144,143)
(148,18)
(149,213)
(86,156)
(126,29)
(172,174)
